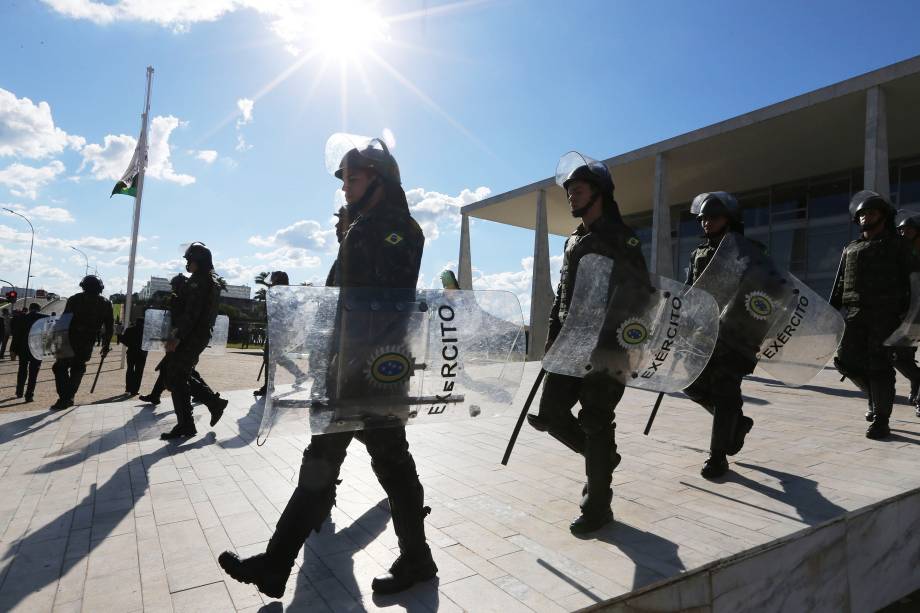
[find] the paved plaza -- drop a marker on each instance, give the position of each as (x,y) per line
(97,514)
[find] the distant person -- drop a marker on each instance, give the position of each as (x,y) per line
(28,365)
(4,332)
(13,335)
(136,357)
(279,277)
(91,311)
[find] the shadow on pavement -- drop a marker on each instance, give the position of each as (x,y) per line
(655,557)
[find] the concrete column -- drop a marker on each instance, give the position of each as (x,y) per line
(541,290)
(662,258)
(465,263)
(875,168)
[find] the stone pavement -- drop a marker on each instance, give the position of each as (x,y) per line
(97,514)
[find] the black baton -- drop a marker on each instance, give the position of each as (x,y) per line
(520,421)
(261,368)
(651,418)
(98,370)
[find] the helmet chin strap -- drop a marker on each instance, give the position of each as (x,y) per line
(870,228)
(355,208)
(580,212)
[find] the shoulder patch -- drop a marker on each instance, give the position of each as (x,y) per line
(632,241)
(394,238)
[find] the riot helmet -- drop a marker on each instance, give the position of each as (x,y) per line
(92,284)
(868,200)
(279,277)
(908,221)
(197,252)
(718,204)
(344,151)
(573,166)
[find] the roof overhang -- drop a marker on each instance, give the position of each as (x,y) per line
(813,134)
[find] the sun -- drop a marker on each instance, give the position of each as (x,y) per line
(345,29)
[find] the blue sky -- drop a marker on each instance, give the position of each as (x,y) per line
(481,97)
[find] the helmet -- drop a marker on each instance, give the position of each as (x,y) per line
(92,284)
(345,151)
(178,282)
(198,253)
(279,277)
(714,204)
(868,200)
(574,166)
(907,219)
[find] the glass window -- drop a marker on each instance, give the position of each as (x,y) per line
(789,247)
(689,237)
(825,244)
(755,210)
(909,188)
(829,198)
(788,203)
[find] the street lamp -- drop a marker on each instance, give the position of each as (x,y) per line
(31,245)
(86,271)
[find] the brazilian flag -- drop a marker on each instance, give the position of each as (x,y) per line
(127,185)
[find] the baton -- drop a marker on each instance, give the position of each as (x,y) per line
(651,418)
(520,421)
(98,370)
(261,368)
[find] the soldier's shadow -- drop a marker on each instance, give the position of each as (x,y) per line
(18,428)
(645,549)
(20,585)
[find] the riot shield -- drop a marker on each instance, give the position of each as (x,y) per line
(908,333)
(158,330)
(370,357)
(767,315)
(656,335)
(49,337)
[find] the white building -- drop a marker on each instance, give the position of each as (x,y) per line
(156,284)
(241,292)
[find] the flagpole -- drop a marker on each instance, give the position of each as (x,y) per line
(142,163)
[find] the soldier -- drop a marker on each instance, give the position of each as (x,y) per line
(589,189)
(136,356)
(873,286)
(382,249)
(90,312)
(190,335)
(718,388)
(28,366)
(5,332)
(278,277)
(904,358)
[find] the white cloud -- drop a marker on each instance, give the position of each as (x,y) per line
(110,160)
(517,282)
(304,234)
(27,129)
(176,14)
(43,213)
(245,105)
(435,211)
(25,181)
(208,156)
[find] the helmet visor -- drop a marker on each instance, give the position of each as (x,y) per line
(572,161)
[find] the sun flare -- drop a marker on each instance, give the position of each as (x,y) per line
(346,29)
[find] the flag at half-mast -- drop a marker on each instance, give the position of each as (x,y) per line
(127,185)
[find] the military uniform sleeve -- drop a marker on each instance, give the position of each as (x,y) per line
(108,321)
(69,307)
(691,270)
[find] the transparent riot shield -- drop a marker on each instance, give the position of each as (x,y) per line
(49,338)
(656,335)
(908,333)
(768,315)
(158,330)
(350,359)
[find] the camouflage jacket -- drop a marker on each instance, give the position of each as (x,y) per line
(606,238)
(90,313)
(383,248)
(874,275)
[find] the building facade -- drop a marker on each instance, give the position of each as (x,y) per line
(793,166)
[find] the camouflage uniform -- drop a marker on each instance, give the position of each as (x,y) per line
(904,358)
(592,432)
(192,325)
(383,249)
(90,313)
(873,285)
(718,388)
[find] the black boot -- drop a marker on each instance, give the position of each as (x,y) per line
(216,407)
(914,388)
(269,578)
(259,392)
(881,389)
(61,404)
(601,458)
(406,571)
(742,427)
(179,431)
(716,466)
(150,399)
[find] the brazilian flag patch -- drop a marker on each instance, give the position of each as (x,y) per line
(394,238)
(633,241)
